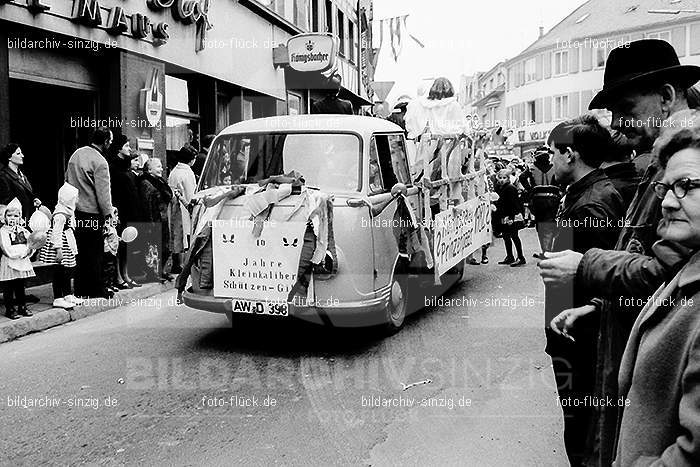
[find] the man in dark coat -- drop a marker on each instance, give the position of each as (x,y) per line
(588,217)
(620,169)
(332,104)
(644,85)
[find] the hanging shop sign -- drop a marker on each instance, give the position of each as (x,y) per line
(152,101)
(312,52)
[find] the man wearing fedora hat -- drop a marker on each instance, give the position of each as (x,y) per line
(644,84)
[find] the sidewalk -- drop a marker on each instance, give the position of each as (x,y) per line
(45,316)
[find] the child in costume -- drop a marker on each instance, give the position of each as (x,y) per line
(61,249)
(15,265)
(111,246)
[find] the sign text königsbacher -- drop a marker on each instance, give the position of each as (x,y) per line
(310,57)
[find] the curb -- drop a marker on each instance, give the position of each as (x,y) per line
(56,316)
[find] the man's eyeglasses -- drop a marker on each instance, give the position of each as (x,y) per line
(680,187)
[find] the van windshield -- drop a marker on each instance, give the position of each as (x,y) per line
(328,161)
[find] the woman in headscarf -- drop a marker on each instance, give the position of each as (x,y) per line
(156,196)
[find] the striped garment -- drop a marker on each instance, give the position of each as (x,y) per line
(48,253)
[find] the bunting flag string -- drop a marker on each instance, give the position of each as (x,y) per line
(397,31)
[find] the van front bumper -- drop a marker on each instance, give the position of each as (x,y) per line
(362,313)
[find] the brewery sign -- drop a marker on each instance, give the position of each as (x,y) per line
(312,52)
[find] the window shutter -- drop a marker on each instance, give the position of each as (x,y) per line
(573,60)
(538,67)
(678,40)
(573,105)
(695,39)
(548,109)
(587,59)
(586,98)
(548,65)
(521,68)
(538,110)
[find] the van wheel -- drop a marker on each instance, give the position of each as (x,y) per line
(396,309)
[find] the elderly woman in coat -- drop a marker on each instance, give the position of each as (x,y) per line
(156,197)
(659,378)
(182,182)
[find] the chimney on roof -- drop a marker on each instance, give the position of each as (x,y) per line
(541,31)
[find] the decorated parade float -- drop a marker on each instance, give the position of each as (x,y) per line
(323,218)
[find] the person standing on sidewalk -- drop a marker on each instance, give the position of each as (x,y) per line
(509,214)
(88,171)
(61,249)
(125,197)
(543,197)
(15,265)
(588,218)
(644,82)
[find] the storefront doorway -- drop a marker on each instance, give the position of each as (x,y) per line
(49,122)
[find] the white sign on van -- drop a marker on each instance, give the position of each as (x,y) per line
(461,231)
(258,269)
(312,52)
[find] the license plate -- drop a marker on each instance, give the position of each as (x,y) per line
(260,308)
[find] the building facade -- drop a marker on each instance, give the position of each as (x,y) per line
(489,104)
(556,77)
(162,72)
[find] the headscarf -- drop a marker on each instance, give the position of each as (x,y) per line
(67,198)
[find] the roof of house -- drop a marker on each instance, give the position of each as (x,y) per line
(596,18)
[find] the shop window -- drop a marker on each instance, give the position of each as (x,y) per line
(341,32)
(247,109)
(294,104)
(182,114)
(223,112)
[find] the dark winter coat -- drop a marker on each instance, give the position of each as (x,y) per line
(625,179)
(331,105)
(125,193)
(589,217)
(155,195)
(14,185)
(509,203)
